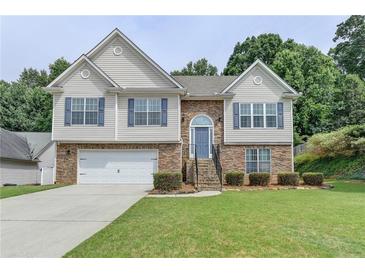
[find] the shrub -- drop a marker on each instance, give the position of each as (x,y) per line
(288,178)
(313,178)
(305,158)
(346,141)
(259,179)
(235,178)
(165,181)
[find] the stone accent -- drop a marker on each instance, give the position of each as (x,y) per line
(191,108)
(233,159)
(169,157)
(211,108)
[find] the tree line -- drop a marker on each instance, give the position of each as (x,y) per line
(332,85)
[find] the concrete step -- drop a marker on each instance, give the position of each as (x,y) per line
(212,188)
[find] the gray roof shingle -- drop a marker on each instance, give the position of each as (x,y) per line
(205,85)
(13,146)
(22,145)
(36,140)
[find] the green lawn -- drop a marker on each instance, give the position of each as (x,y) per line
(285,223)
(10,191)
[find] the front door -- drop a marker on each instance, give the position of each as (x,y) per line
(202,142)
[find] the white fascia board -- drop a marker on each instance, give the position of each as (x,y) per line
(267,69)
(117,32)
(53,90)
(82,58)
(122,90)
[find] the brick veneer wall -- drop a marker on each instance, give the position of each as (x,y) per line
(233,159)
(189,109)
(66,168)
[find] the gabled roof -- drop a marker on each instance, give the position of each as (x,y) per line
(37,141)
(23,145)
(117,33)
(268,70)
(79,61)
(13,146)
(205,85)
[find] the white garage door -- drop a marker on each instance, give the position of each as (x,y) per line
(117,166)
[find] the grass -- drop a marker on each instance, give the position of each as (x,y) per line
(340,167)
(11,191)
(286,223)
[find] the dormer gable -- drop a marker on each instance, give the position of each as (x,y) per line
(128,65)
(259,75)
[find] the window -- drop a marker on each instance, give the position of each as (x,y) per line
(258,115)
(258,160)
(84,111)
(245,115)
(91,111)
(77,111)
(147,112)
(270,115)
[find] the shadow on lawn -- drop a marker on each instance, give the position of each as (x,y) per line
(357,186)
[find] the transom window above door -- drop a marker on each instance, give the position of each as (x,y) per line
(201,120)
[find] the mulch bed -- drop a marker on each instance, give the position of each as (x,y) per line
(185,188)
(274,187)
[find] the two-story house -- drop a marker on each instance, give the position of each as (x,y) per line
(118,117)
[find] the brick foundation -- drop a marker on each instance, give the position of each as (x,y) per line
(233,159)
(169,157)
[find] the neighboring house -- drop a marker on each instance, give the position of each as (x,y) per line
(26,158)
(118,117)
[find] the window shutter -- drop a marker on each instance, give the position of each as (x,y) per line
(236,115)
(68,111)
(130,112)
(101,112)
(280,108)
(164,112)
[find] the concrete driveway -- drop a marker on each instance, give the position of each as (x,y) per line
(50,223)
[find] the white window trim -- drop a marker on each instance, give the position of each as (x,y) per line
(258,159)
(146,125)
(264,114)
(192,134)
(84,111)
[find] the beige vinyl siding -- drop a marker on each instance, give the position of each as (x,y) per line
(247,92)
(76,86)
(149,133)
(129,69)
(18,172)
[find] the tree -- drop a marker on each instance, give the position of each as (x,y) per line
(25,109)
(348,106)
(349,53)
(200,67)
(263,47)
(24,105)
(314,74)
(306,69)
(56,68)
(33,78)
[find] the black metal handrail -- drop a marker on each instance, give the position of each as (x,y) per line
(217,163)
(196,167)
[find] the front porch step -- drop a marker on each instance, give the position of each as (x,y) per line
(207,175)
(209,186)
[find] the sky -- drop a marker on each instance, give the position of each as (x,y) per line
(171,41)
